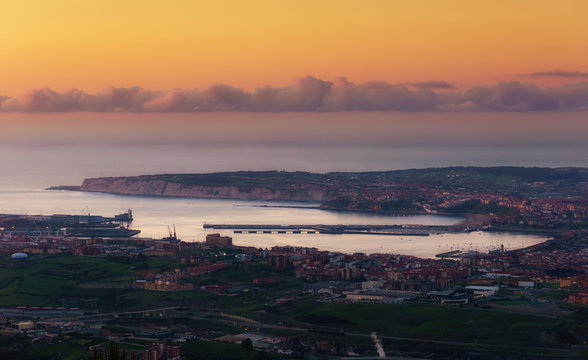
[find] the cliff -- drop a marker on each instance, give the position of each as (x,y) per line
(383,191)
(163,187)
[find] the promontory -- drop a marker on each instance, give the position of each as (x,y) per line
(497,190)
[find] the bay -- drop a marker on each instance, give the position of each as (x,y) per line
(153,216)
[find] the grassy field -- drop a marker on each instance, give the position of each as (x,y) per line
(440,323)
(75,281)
(17,348)
(105,283)
(205,350)
(42,281)
(556,294)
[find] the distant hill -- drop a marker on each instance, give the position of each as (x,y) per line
(387,187)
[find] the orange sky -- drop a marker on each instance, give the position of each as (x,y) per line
(157,44)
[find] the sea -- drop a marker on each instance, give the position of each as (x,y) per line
(45,149)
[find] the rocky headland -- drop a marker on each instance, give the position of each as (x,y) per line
(501,191)
(177,187)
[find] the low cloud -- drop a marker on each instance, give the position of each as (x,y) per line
(112,99)
(557,73)
(432,85)
(309,94)
(515,96)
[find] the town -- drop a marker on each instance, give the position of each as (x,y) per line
(169,299)
(92,287)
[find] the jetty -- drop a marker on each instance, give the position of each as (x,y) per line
(398,230)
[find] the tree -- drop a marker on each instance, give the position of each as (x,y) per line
(247,344)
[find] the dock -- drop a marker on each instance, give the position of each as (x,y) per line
(395,230)
(449,254)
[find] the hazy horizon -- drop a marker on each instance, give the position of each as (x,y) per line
(40,150)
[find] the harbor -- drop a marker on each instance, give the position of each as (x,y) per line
(80,226)
(152,216)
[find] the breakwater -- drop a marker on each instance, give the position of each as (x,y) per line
(327,229)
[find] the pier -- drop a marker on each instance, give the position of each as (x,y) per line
(398,230)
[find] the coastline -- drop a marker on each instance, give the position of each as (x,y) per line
(153,216)
(470,222)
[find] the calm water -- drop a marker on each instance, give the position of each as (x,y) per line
(43,149)
(154,215)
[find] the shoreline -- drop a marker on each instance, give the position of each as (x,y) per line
(64,188)
(469,221)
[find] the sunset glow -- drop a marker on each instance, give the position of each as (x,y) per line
(93,45)
(338,85)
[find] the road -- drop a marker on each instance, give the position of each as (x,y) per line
(528,350)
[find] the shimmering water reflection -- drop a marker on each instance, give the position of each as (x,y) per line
(153,215)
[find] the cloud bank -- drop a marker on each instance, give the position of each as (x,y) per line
(557,73)
(309,94)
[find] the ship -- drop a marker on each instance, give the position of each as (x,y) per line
(94,226)
(119,232)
